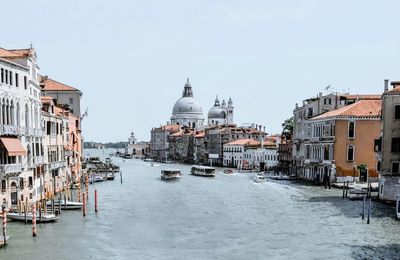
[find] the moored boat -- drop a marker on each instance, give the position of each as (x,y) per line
(110,176)
(357,193)
(228,171)
(260,178)
(45,217)
(70,205)
(204,171)
(170,174)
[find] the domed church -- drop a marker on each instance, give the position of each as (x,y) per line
(221,114)
(187,111)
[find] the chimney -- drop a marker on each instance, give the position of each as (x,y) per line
(386,85)
(320,94)
(297,106)
(264,129)
(259,127)
(304,102)
(395,84)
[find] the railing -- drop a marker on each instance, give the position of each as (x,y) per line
(10,130)
(29,131)
(38,160)
(55,165)
(10,168)
(38,132)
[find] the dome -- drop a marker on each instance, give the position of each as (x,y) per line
(187,105)
(217,112)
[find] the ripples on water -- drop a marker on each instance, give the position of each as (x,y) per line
(226,217)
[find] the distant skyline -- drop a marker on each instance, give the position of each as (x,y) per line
(131,58)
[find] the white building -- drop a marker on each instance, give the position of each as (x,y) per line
(234,152)
(221,114)
(21,156)
(187,111)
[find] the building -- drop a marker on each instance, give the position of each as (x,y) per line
(388,145)
(21,156)
(181,146)
(63,93)
(310,108)
(234,152)
(221,114)
(137,149)
(187,111)
(159,147)
(285,156)
(339,143)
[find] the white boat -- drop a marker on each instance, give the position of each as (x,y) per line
(46,217)
(203,171)
(357,193)
(97,178)
(260,178)
(110,176)
(70,205)
(170,174)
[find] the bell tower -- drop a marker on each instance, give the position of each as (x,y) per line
(229,111)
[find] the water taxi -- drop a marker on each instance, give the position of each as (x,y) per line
(69,205)
(203,171)
(170,174)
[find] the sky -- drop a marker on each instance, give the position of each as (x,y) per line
(131,58)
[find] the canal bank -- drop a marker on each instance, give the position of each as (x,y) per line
(226,217)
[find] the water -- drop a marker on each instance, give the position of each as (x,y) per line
(226,217)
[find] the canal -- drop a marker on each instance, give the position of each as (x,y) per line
(226,217)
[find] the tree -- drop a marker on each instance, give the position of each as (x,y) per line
(287,128)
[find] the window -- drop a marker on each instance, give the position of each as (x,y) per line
(71,101)
(2,75)
(11,78)
(25,82)
(326,152)
(351,130)
(6,75)
(397,112)
(395,167)
(350,153)
(310,112)
(395,145)
(21,183)
(378,166)
(30,181)
(16,80)
(3,185)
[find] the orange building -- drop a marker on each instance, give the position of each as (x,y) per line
(339,142)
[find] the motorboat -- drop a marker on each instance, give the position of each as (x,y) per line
(170,174)
(110,176)
(228,171)
(260,178)
(45,217)
(357,193)
(204,171)
(70,205)
(97,178)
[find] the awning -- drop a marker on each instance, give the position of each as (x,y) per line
(13,146)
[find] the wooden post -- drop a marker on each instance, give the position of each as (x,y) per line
(343,188)
(53,206)
(26,210)
(65,201)
(120,176)
(363,210)
(4,215)
(95,200)
(40,211)
(87,186)
(369,210)
(34,220)
(84,205)
(79,189)
(59,206)
(347,188)
(397,204)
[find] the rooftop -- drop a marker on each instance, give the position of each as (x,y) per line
(50,84)
(245,142)
(362,108)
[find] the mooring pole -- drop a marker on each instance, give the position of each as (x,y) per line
(84,205)
(34,220)
(120,175)
(95,200)
(4,215)
(363,210)
(343,189)
(369,211)
(397,204)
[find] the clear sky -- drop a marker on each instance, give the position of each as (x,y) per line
(131,58)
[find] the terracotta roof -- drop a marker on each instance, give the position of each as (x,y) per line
(46,99)
(50,84)
(179,133)
(393,90)
(362,108)
(200,135)
(363,97)
(245,142)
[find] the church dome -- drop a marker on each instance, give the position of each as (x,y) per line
(217,111)
(187,105)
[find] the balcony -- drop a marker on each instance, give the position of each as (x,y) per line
(10,130)
(10,168)
(55,165)
(37,160)
(29,131)
(38,132)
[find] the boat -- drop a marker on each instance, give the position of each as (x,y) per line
(148,160)
(46,217)
(110,176)
(228,171)
(357,193)
(204,171)
(170,174)
(70,205)
(260,178)
(97,177)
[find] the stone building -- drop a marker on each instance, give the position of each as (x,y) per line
(388,145)
(337,143)
(310,108)
(187,111)
(181,146)
(234,153)
(285,157)
(21,136)
(159,147)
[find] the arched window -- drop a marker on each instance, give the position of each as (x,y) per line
(194,125)
(12,113)
(7,112)
(26,116)
(351,130)
(350,153)
(18,115)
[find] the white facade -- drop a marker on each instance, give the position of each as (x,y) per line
(20,121)
(255,157)
(234,155)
